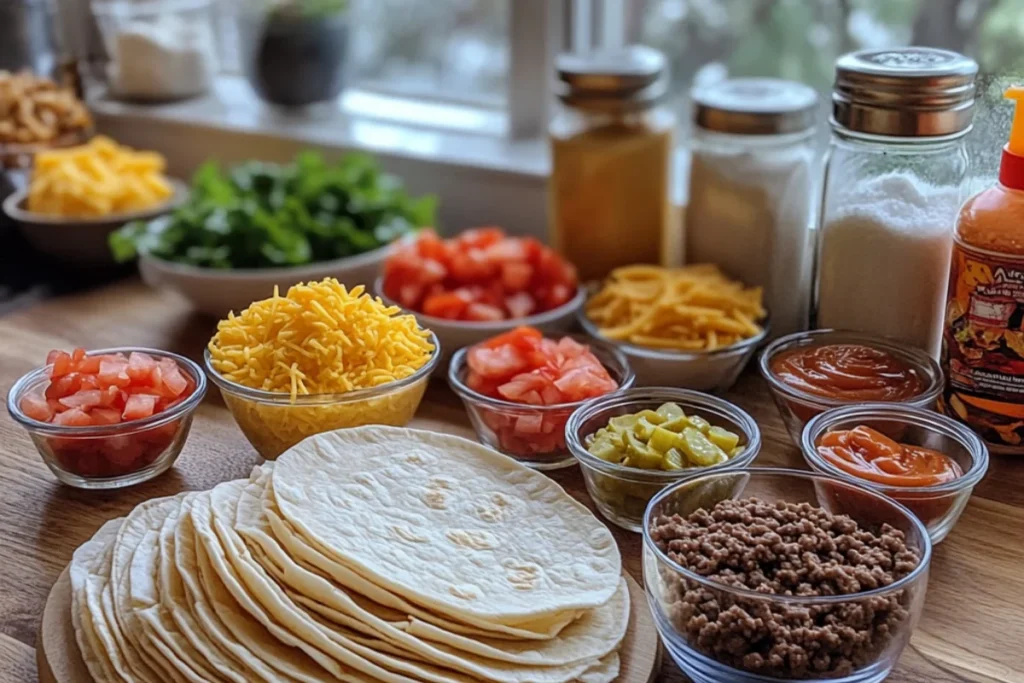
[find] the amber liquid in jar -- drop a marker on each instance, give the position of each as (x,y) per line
(609,194)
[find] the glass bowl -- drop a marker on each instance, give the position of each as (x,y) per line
(110,456)
(713,371)
(938,507)
(683,602)
(622,493)
(797,407)
(273,423)
(533,435)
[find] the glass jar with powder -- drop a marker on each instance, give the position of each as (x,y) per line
(752,181)
(892,188)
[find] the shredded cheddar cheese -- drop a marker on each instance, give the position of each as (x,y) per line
(319,339)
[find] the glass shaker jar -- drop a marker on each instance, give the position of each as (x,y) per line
(751,192)
(893,181)
(611,147)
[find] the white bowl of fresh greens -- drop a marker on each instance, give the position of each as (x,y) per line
(262,225)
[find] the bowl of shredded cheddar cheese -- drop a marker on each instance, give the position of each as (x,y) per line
(77,196)
(319,358)
(690,327)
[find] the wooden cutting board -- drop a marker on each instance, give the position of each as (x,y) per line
(61,662)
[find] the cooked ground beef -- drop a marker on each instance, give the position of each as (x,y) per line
(785,549)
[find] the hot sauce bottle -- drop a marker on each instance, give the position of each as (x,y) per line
(983,339)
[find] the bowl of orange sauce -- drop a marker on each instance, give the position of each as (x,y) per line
(811,372)
(928,462)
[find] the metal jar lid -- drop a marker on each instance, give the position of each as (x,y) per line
(905,92)
(626,79)
(755,106)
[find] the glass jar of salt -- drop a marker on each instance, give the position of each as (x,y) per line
(751,190)
(892,188)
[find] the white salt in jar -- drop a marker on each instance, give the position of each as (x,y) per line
(893,180)
(751,192)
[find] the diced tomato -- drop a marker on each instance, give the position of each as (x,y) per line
(85,399)
(114,373)
(174,383)
(484,313)
(521,366)
(449,306)
(105,416)
(36,407)
(140,366)
(139,406)
(90,365)
(64,386)
(518,277)
(74,417)
(60,362)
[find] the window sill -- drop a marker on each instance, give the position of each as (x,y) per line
(456,151)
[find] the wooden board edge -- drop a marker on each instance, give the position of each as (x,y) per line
(60,661)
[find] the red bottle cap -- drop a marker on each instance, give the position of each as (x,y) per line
(1011,170)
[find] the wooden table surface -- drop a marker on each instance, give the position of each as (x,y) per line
(972,628)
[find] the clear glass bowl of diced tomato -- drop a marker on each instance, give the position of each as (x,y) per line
(520,388)
(108,418)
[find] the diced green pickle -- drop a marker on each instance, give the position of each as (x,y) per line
(723,438)
(622,422)
(644,428)
(606,450)
(676,424)
(699,451)
(699,423)
(662,440)
(674,460)
(651,416)
(670,411)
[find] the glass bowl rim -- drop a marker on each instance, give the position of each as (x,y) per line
(284,398)
(737,349)
(462,389)
(31,378)
(684,396)
(933,421)
(921,361)
(570,307)
(921,568)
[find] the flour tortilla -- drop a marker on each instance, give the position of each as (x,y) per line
(141,528)
(89,572)
(447,523)
(226,621)
(230,662)
(304,553)
(339,640)
(586,640)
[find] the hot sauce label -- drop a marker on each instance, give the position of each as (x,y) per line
(983,346)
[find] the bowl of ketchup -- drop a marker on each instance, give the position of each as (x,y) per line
(928,462)
(811,372)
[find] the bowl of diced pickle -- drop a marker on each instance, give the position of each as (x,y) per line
(633,443)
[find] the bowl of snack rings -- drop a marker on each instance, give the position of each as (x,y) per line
(689,327)
(37,115)
(77,196)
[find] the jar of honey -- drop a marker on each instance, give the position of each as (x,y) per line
(983,338)
(611,147)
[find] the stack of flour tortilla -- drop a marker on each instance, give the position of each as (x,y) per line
(370,554)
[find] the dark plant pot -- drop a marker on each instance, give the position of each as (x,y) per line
(295,61)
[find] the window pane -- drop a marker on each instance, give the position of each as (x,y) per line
(455,49)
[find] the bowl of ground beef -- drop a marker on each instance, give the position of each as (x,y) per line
(763,575)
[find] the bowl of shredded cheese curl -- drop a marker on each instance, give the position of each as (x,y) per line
(689,327)
(319,358)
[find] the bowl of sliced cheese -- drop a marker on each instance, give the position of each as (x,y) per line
(689,327)
(78,195)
